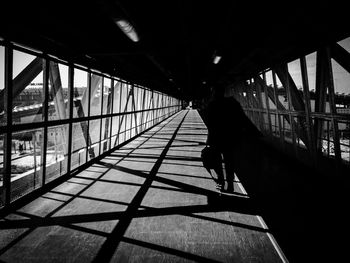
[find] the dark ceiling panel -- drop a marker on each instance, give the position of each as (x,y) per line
(178,38)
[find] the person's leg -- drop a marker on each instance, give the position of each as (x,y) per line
(217,160)
(230,170)
(219,171)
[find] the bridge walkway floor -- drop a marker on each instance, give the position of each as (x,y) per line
(151,200)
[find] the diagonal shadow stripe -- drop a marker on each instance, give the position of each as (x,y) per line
(187,187)
(47,217)
(36,221)
(108,248)
(168,250)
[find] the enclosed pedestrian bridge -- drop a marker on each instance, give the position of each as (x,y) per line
(103,117)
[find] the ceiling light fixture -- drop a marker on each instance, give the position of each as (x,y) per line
(128,29)
(217,59)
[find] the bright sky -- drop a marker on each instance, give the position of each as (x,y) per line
(341,76)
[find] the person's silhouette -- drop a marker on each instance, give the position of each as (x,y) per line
(227,123)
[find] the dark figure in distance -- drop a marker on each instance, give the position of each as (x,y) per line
(227,123)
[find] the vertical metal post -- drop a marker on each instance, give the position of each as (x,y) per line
(261,106)
(111,112)
(267,104)
(34,156)
(8,115)
(116,142)
(321,96)
(88,75)
(134,106)
(70,124)
(306,93)
(45,104)
(143,108)
(290,109)
(275,94)
(126,109)
(101,114)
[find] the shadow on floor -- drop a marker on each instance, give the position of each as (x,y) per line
(304,209)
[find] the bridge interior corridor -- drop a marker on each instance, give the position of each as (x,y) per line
(150,200)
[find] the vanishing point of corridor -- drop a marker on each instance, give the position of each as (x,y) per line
(149,201)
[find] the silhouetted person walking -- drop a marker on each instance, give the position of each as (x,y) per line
(227,123)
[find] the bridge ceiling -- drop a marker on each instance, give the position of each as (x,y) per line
(178,38)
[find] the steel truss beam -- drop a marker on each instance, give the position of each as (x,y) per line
(24,78)
(320,95)
(296,102)
(59,103)
(341,56)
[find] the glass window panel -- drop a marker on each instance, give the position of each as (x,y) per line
(146,100)
(294,70)
(263,99)
(345,43)
(2,84)
(115,126)
(269,83)
(107,96)
(272,104)
(123,97)
(94,133)
(95,95)
(26,162)
(159,100)
(122,123)
(56,152)
(79,143)
(136,120)
(281,94)
(121,138)
(134,103)
(105,134)
(128,135)
(80,94)
(152,100)
(139,99)
(58,92)
(136,98)
(341,79)
(144,117)
(286,129)
(114,141)
(27,88)
(155,99)
(129,99)
(163,100)
(344,136)
(116,97)
(139,119)
(327,138)
(311,75)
